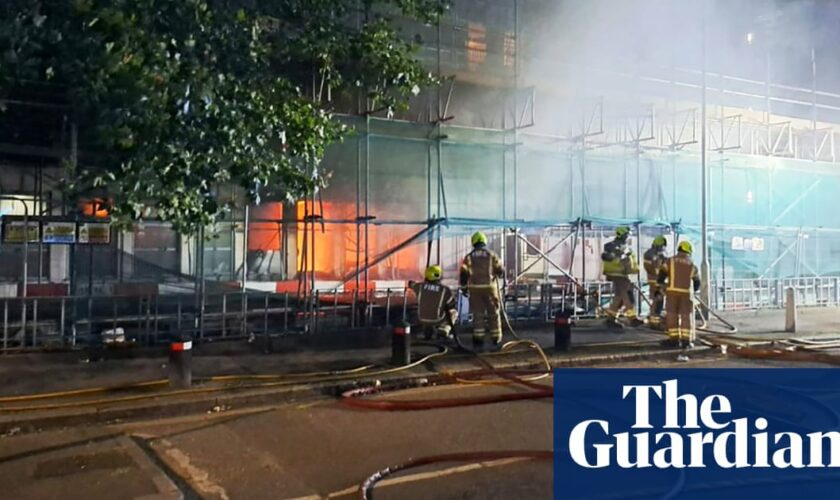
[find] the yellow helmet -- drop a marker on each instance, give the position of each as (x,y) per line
(660,241)
(685,247)
(479,238)
(622,231)
(433,273)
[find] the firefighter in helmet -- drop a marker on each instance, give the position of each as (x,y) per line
(680,279)
(653,259)
(480,273)
(436,307)
(619,264)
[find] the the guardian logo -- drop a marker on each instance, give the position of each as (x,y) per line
(693,433)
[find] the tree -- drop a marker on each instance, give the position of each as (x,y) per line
(175,98)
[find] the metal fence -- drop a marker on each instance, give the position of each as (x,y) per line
(60,322)
(78,321)
(753,294)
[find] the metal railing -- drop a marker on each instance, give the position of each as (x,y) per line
(754,294)
(77,321)
(28,323)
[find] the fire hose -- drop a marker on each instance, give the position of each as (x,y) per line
(264,381)
(537,391)
(366,487)
(701,307)
(352,398)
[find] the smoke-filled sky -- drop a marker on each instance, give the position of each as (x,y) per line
(618,34)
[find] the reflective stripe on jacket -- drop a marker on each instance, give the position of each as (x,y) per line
(618,260)
(481,268)
(680,273)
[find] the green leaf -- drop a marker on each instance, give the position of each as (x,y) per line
(174,98)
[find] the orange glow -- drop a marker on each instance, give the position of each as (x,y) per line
(335,247)
(264,235)
(476,44)
(288,286)
(403,264)
(94,208)
(324,242)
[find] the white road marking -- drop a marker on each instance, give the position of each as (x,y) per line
(198,478)
(420,476)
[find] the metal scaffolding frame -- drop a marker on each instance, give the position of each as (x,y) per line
(645,132)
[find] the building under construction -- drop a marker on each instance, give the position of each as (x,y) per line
(546,133)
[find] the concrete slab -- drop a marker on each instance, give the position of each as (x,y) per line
(89,468)
(322,449)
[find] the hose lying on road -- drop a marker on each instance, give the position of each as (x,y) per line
(164,382)
(352,398)
(815,344)
(507,347)
(786,355)
(366,488)
(276,381)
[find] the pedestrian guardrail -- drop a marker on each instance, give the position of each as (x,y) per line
(756,294)
(76,321)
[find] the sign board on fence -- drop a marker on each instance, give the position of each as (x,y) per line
(737,243)
(14,230)
(95,233)
(59,232)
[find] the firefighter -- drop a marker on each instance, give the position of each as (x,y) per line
(679,276)
(654,258)
(480,273)
(619,264)
(436,307)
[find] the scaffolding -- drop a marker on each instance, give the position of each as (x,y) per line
(548,179)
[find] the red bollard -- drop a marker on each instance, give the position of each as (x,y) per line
(562,331)
(401,345)
(180,364)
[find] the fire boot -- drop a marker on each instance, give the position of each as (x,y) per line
(613,323)
(635,322)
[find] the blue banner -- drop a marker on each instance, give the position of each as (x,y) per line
(696,433)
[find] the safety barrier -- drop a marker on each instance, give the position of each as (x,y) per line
(28,323)
(77,321)
(754,294)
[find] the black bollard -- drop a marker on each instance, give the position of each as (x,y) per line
(401,345)
(180,363)
(562,331)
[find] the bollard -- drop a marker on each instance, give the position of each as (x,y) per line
(790,310)
(180,363)
(401,345)
(562,331)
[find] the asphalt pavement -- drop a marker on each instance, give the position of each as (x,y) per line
(316,448)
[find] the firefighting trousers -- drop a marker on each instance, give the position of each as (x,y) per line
(657,301)
(442,326)
(484,305)
(679,316)
(622,297)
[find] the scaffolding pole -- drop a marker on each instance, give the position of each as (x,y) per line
(704,174)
